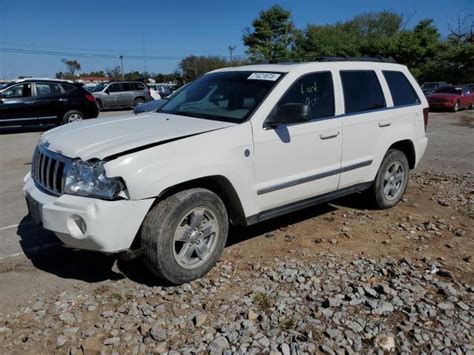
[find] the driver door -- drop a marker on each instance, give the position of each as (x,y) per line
(16,104)
(302,160)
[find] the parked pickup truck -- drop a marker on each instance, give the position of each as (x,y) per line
(238,146)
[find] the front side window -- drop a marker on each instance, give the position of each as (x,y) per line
(362,91)
(315,90)
(43,89)
(230,96)
(400,88)
(17,91)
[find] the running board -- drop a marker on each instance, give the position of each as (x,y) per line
(295,206)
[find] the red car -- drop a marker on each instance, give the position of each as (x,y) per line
(453,97)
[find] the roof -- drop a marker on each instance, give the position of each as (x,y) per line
(43,79)
(289,67)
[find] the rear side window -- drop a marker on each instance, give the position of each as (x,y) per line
(362,91)
(316,90)
(43,89)
(139,86)
(68,88)
(128,87)
(400,88)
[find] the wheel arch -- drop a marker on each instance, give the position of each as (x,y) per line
(407,147)
(218,184)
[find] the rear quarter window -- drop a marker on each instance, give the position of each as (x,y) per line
(362,91)
(400,88)
(68,88)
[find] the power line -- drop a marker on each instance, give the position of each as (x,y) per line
(86,55)
(101,50)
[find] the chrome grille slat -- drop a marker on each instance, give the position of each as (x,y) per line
(48,170)
(55,176)
(41,172)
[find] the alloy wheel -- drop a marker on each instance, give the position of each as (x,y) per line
(195,238)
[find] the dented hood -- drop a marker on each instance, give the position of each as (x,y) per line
(106,137)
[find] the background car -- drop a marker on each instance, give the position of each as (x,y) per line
(430,87)
(33,101)
(156,104)
(453,97)
(121,94)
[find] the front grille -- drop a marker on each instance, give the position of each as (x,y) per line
(48,170)
(436,100)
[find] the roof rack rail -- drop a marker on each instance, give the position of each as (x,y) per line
(357,59)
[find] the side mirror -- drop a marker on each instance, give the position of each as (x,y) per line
(107,91)
(288,114)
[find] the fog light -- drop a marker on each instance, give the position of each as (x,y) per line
(77,226)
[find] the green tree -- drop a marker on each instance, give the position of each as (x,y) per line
(271,37)
(192,67)
(72,66)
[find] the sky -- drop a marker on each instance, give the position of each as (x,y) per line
(165,30)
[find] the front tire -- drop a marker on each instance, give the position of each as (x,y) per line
(184,235)
(391,181)
(73,116)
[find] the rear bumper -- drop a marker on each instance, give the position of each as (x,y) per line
(420,149)
(88,223)
(441,105)
(92,111)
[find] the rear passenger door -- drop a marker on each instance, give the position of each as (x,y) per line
(364,117)
(129,93)
(48,100)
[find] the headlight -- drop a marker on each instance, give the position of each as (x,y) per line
(87,178)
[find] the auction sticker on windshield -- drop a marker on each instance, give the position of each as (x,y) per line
(264,76)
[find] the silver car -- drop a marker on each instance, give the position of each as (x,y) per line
(121,94)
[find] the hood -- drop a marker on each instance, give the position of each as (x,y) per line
(443,95)
(106,137)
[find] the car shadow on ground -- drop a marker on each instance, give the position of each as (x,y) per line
(95,267)
(46,252)
(26,129)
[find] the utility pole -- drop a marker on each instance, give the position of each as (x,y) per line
(121,65)
(231,52)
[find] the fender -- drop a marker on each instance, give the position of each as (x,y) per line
(149,172)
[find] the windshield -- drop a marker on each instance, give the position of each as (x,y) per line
(450,90)
(98,87)
(226,96)
(429,86)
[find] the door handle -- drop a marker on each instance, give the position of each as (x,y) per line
(62,99)
(385,124)
(328,135)
(29,102)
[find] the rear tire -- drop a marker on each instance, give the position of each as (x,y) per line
(391,181)
(73,116)
(138,101)
(184,235)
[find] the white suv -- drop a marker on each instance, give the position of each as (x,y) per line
(239,145)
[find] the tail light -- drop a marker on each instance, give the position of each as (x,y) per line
(90,97)
(425,116)
(149,92)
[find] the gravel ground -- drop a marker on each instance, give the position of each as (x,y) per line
(310,290)
(336,278)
